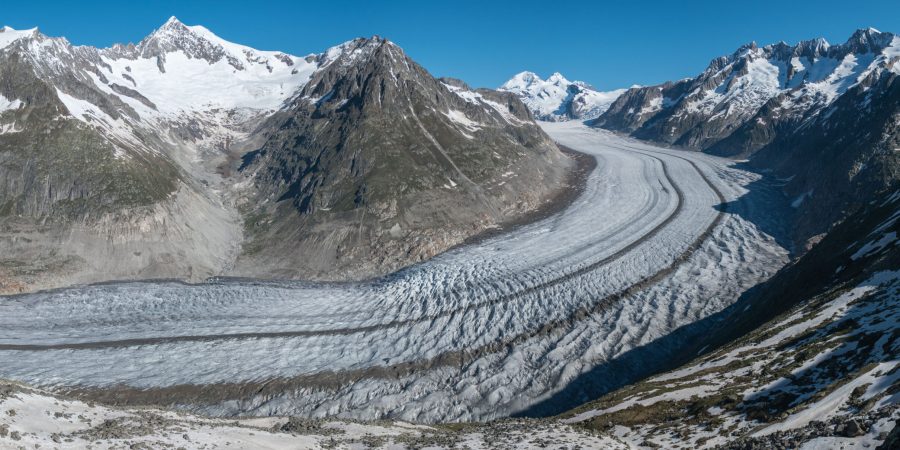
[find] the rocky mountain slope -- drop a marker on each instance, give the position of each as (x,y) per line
(556,98)
(376,164)
(810,357)
(822,117)
(158,159)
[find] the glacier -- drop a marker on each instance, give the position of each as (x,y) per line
(658,240)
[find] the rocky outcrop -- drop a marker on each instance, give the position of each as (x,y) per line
(375,164)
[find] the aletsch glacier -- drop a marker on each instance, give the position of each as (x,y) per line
(479,332)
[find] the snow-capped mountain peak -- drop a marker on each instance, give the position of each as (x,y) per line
(812,48)
(163,68)
(520,80)
(868,40)
(756,90)
(178,76)
(8,35)
(349,52)
(198,42)
(557,98)
(558,79)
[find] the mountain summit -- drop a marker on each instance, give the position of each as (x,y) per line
(821,116)
(379,161)
(195,157)
(557,98)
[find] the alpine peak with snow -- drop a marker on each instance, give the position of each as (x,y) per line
(207,245)
(558,99)
(820,116)
(136,143)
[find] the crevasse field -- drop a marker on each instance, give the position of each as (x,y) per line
(658,240)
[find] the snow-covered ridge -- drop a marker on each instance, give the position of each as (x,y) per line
(557,99)
(172,74)
(8,35)
(178,78)
(183,68)
(805,77)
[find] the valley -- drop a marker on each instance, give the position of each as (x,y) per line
(506,320)
(207,245)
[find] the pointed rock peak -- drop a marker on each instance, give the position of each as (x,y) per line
(175,29)
(864,34)
(360,42)
(557,78)
(195,42)
(173,21)
(812,48)
(361,48)
(868,40)
(819,42)
(746,49)
(171,25)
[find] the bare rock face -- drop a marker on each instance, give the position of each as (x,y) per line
(822,117)
(374,164)
(116,164)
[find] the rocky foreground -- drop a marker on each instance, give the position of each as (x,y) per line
(31,419)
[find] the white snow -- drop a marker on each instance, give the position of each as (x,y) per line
(829,405)
(462,300)
(885,241)
(556,97)
(460,118)
(9,35)
(741,95)
(7,104)
(190,84)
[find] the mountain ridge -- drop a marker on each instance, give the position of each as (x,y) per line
(782,108)
(557,98)
(172,117)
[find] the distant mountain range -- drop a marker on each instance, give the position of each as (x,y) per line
(188,156)
(558,99)
(822,117)
(799,359)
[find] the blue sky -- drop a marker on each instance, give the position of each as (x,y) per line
(609,44)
